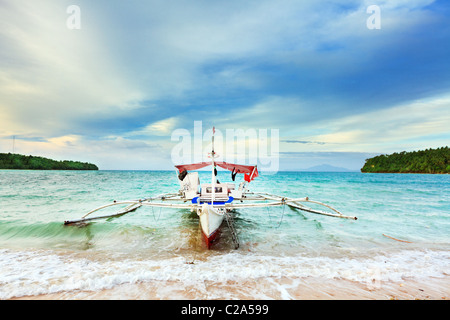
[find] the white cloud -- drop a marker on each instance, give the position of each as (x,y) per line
(64,141)
(159,128)
(402,126)
(130,56)
(51,75)
(114,153)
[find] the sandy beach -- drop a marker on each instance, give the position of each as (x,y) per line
(309,288)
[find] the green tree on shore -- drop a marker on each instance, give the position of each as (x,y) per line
(423,161)
(18,161)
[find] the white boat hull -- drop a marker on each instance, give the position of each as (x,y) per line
(210,221)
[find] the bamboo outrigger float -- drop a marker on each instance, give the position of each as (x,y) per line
(213,202)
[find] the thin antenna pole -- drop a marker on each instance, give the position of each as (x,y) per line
(14,144)
(213,176)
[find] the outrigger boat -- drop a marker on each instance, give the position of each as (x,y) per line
(213,202)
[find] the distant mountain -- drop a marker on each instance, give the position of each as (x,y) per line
(327,168)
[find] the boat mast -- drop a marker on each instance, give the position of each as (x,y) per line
(213,176)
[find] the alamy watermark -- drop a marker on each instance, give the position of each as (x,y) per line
(242,146)
(74,19)
(374,21)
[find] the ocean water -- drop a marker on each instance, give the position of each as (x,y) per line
(39,255)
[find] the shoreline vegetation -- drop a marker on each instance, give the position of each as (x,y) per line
(422,161)
(22,162)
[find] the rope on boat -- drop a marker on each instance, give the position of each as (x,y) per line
(153,211)
(231,225)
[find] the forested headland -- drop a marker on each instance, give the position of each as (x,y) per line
(18,161)
(423,161)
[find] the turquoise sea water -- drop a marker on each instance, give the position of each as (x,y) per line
(39,255)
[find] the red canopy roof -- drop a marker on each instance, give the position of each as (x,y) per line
(239,168)
(194,166)
(250,171)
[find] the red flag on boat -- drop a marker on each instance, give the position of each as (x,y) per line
(251,176)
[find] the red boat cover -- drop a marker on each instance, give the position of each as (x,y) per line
(194,166)
(251,172)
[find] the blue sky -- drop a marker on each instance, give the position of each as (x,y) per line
(114,91)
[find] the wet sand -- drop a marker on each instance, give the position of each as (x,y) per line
(265,289)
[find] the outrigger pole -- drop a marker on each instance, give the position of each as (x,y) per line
(277,201)
(294,203)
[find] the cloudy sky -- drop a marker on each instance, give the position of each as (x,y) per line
(114,91)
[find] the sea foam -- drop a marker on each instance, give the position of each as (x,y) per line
(24,273)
